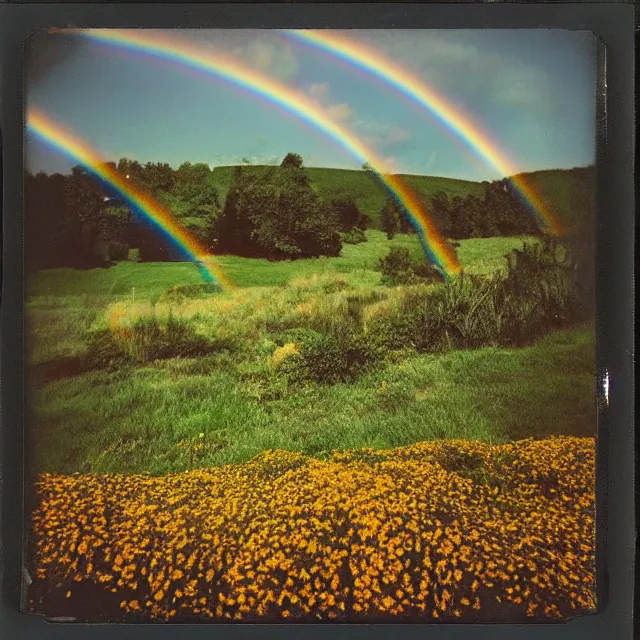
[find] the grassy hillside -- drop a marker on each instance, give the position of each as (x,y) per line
(151,419)
(367,193)
(566,192)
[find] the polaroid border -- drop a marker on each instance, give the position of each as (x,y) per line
(613,24)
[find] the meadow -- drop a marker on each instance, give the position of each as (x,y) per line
(171,414)
(317,444)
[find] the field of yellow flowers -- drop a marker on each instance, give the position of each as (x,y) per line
(436,531)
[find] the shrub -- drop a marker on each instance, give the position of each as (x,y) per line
(103,352)
(539,292)
(149,338)
(355,236)
(399,268)
(334,357)
(118,251)
(458,314)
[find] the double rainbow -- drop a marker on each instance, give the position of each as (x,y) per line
(142,202)
(437,248)
(457,123)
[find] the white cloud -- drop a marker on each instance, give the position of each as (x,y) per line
(320,94)
(339,111)
(272,57)
(431,160)
(381,135)
(523,87)
(319,91)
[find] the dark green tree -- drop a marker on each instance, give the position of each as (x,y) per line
(347,213)
(47,224)
(292,161)
(390,219)
(274,212)
(131,170)
(158,177)
(441,211)
(84,209)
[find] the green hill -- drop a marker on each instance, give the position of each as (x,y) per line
(368,194)
(566,192)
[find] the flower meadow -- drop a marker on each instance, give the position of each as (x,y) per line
(436,531)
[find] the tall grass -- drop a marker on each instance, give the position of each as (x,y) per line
(134,420)
(538,292)
(330,360)
(343,326)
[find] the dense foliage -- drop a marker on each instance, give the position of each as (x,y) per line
(398,267)
(76,221)
(498,213)
(539,291)
(275,213)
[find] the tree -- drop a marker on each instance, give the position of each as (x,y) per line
(131,170)
(158,176)
(441,211)
(47,227)
(505,213)
(274,212)
(292,161)
(194,187)
(233,227)
(84,205)
(404,222)
(347,214)
(390,219)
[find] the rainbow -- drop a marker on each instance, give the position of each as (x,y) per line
(160,217)
(436,248)
(453,120)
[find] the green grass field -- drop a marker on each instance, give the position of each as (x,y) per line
(188,414)
(177,414)
(481,255)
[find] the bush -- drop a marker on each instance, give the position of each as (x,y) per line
(399,268)
(118,251)
(458,314)
(103,352)
(355,236)
(538,293)
(148,339)
(333,357)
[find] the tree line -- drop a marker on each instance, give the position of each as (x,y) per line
(272,212)
(498,212)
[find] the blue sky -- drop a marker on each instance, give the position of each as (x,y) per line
(532,92)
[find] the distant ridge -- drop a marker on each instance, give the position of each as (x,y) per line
(568,192)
